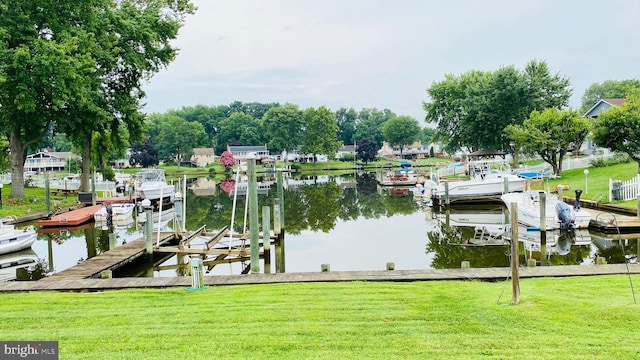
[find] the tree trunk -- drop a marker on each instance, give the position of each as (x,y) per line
(17,156)
(86,165)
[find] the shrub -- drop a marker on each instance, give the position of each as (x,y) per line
(616,159)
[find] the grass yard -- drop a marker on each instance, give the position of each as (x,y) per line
(557,318)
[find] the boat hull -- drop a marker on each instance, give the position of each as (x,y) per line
(528,204)
(119,212)
(16,240)
(489,186)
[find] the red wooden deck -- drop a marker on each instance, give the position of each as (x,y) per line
(71,218)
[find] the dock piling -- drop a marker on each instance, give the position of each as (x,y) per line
(266,238)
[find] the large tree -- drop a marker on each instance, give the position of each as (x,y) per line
(45,66)
(283,127)
(366,150)
(607,90)
(401,131)
(550,134)
(369,124)
(470,111)
(239,128)
(178,137)
(320,132)
(347,120)
(618,128)
(79,66)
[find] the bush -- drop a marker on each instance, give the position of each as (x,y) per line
(348,158)
(616,159)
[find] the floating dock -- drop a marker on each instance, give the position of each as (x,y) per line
(71,218)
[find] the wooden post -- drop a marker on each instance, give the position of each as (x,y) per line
(505,182)
(280,185)
(515,257)
(446,193)
(254,227)
(543,229)
(148,231)
(279,225)
(47,195)
(543,211)
(266,238)
(50,253)
(276,216)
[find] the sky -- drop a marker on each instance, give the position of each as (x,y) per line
(383,53)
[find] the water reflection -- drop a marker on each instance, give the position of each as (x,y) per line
(351,223)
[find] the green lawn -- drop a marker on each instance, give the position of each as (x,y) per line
(596,183)
(557,318)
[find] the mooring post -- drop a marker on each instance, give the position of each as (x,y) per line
(178,206)
(266,238)
(148,227)
(50,252)
(515,257)
(46,194)
(446,193)
(279,224)
(543,229)
(254,227)
(280,181)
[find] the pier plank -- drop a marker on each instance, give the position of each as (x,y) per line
(109,260)
(93,284)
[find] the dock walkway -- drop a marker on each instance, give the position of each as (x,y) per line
(109,260)
(501,273)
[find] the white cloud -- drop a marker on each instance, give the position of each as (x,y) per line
(376,53)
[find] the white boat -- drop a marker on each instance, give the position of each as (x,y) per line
(119,212)
(165,216)
(12,239)
(151,184)
(481,186)
(528,203)
(398,178)
(9,263)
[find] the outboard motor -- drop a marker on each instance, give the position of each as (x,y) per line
(576,206)
(567,222)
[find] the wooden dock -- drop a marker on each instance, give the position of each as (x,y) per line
(74,217)
(493,274)
(112,259)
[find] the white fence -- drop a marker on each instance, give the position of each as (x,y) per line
(624,190)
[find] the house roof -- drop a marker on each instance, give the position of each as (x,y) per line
(53,154)
(247,148)
(593,112)
(486,152)
(615,101)
(203,151)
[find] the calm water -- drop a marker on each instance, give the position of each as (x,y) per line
(350,223)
